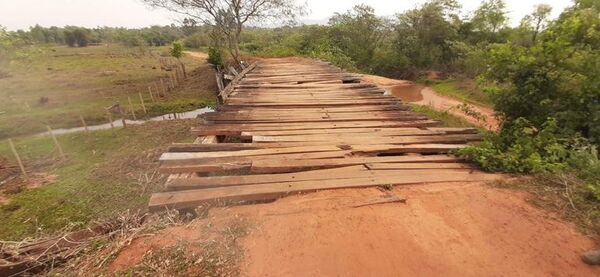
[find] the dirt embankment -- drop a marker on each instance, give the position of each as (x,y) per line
(425,96)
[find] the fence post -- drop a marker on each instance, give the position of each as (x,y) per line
(151,95)
(60,150)
(171,80)
(110,120)
(131,108)
(143,104)
(84,124)
(162,84)
(14,150)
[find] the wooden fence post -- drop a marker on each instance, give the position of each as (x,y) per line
(143,104)
(85,127)
(171,80)
(110,120)
(157,89)
(131,108)
(151,95)
(60,150)
(162,84)
(14,150)
(184,72)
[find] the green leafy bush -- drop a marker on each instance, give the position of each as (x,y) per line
(215,57)
(334,55)
(521,148)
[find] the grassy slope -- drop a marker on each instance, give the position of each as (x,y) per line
(464,90)
(105,172)
(448,120)
(83,81)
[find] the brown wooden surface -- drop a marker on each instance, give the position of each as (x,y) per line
(302,126)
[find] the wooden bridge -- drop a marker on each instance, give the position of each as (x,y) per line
(293,126)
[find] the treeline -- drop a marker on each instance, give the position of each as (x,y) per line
(193,36)
(432,36)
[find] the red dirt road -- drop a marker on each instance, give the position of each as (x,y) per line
(425,96)
(453,229)
(443,230)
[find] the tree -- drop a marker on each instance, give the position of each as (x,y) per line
(422,34)
(177,52)
(490,17)
(230,16)
(538,18)
(358,32)
(76,36)
(558,77)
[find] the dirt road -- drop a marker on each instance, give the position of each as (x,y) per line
(425,96)
(448,229)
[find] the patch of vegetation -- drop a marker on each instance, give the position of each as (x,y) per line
(464,89)
(62,83)
(106,172)
(219,256)
(447,119)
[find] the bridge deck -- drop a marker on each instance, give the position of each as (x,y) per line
(302,126)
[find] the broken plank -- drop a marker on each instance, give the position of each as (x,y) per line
(263,192)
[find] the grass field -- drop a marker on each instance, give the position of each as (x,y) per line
(105,172)
(84,81)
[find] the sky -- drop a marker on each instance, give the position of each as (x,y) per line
(22,14)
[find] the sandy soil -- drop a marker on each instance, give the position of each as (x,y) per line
(199,55)
(413,93)
(452,229)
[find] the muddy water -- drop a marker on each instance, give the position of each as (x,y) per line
(119,122)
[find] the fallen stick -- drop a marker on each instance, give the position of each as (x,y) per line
(393,199)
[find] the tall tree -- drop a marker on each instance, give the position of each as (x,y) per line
(358,32)
(230,16)
(538,18)
(423,33)
(491,16)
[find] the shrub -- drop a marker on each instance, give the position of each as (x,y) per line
(334,55)
(177,50)
(215,57)
(521,148)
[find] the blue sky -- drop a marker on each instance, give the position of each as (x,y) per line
(133,13)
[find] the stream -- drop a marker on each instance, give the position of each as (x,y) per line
(119,123)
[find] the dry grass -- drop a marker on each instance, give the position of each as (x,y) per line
(563,194)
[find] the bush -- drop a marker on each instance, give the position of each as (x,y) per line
(521,148)
(215,57)
(278,52)
(196,41)
(334,55)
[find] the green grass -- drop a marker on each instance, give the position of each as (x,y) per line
(448,120)
(105,172)
(464,90)
(83,81)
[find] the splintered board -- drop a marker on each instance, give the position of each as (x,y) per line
(303,126)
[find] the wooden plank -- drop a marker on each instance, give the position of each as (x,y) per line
(350,172)
(236,129)
(367,138)
(228,163)
(262,192)
(191,156)
(278,166)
